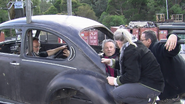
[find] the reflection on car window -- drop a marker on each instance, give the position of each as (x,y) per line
(10,41)
(44,44)
(94,38)
(182,36)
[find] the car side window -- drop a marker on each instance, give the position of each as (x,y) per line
(94,37)
(10,41)
(42,44)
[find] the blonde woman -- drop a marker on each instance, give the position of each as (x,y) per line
(141,77)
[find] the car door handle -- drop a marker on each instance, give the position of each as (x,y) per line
(14,63)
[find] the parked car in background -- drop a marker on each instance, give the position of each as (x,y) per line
(77,79)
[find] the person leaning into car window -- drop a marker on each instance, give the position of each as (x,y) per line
(140,74)
(36,48)
(110,51)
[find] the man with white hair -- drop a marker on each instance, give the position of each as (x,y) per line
(110,51)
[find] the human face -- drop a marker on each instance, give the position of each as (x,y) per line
(36,46)
(145,41)
(109,49)
(119,43)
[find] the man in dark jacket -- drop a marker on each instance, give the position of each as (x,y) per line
(171,62)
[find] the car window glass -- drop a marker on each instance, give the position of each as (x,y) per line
(94,37)
(42,44)
(182,36)
(10,41)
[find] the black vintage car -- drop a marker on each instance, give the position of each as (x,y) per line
(79,78)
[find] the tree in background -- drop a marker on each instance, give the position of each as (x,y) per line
(36,5)
(115,7)
(86,11)
(51,10)
(44,5)
(61,6)
(176,9)
(114,20)
(135,10)
(75,5)
(154,7)
(58,5)
(4,13)
(143,10)
(103,15)
(131,9)
(3,17)
(99,6)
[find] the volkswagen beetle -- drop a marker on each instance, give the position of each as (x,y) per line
(79,78)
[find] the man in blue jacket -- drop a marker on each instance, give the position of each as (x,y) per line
(171,62)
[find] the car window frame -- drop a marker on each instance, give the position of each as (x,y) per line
(19,33)
(53,32)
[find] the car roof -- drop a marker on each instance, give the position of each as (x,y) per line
(63,20)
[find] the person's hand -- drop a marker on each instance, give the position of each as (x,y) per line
(66,52)
(171,42)
(105,60)
(63,47)
(110,80)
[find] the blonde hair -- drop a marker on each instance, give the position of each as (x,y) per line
(124,35)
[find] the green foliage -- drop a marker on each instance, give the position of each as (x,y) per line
(99,6)
(44,6)
(57,5)
(115,7)
(9,32)
(61,6)
(176,9)
(51,10)
(103,15)
(133,10)
(114,20)
(86,11)
(3,16)
(75,5)
(36,4)
(154,7)
(4,13)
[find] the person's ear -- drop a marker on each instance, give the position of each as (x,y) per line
(149,41)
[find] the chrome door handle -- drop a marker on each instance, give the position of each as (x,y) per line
(14,63)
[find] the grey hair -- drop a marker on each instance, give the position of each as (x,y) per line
(108,40)
(124,35)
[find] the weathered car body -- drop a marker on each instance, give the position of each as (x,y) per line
(77,79)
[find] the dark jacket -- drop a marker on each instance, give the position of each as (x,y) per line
(173,69)
(139,65)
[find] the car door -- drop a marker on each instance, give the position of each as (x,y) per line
(10,64)
(37,71)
